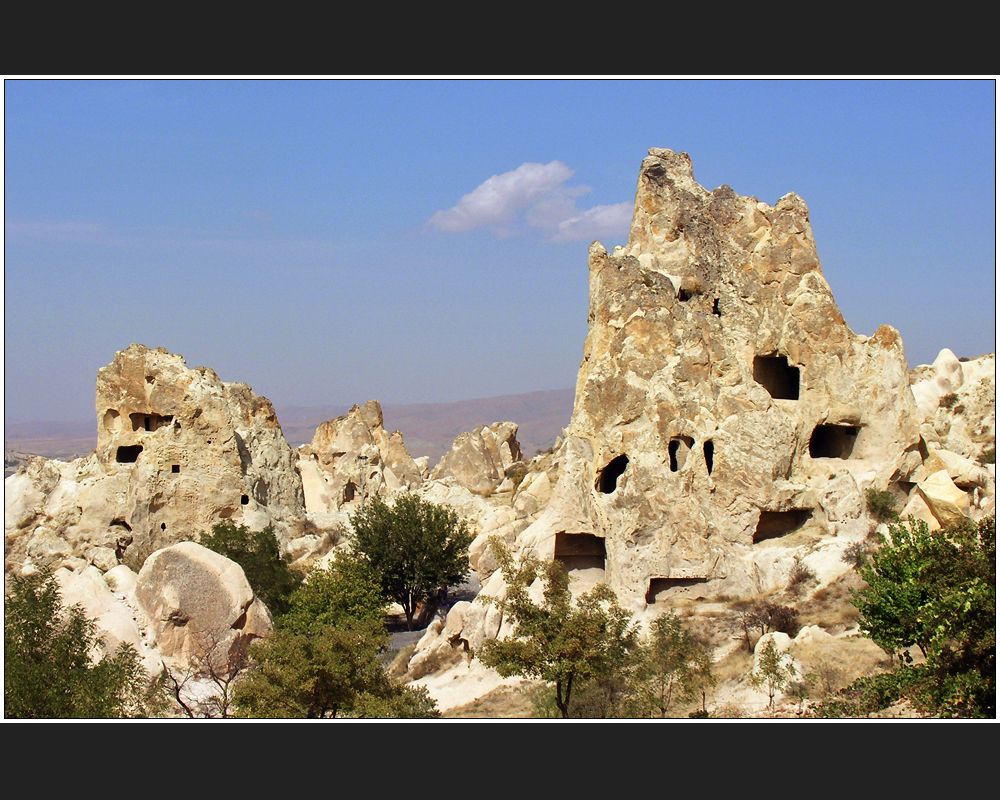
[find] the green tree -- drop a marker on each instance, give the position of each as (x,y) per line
(348,589)
(48,668)
(773,672)
(559,641)
(671,668)
(259,554)
(415,547)
(329,673)
(936,591)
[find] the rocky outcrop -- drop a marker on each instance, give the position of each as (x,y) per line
(956,403)
(727,421)
(479,460)
(354,455)
(178,450)
(190,615)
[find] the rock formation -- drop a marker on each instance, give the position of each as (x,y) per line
(354,454)
(178,450)
(727,421)
(200,606)
(723,404)
(189,613)
(479,460)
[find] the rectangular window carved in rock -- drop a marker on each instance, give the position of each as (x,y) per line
(580,551)
(833,441)
(774,524)
(660,587)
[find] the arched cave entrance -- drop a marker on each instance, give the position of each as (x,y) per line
(678,450)
(776,375)
(607,478)
(128,454)
(833,441)
(775,524)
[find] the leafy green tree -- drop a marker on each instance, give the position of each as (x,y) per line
(329,673)
(48,669)
(559,641)
(937,591)
(259,554)
(348,589)
(671,668)
(773,672)
(415,547)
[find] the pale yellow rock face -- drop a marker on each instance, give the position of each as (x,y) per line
(478,460)
(354,453)
(956,403)
(178,451)
(723,407)
(199,605)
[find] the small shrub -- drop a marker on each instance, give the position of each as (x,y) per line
(800,575)
(989,455)
(881,504)
(948,400)
(855,553)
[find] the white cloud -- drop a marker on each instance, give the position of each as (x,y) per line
(496,202)
(534,194)
(594,223)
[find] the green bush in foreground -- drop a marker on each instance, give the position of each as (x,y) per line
(325,674)
(48,670)
(937,592)
(567,643)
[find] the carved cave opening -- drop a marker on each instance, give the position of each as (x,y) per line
(715,308)
(175,469)
(580,551)
(112,421)
(350,491)
(149,422)
(244,499)
(684,295)
(833,441)
(659,587)
(775,524)
(607,478)
(709,448)
(776,375)
(678,450)
(128,454)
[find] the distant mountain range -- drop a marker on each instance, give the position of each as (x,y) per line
(428,428)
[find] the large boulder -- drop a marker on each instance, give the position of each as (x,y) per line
(479,460)
(200,607)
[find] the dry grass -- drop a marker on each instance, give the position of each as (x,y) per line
(832,665)
(504,702)
(831,607)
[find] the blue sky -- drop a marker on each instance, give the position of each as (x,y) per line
(426,241)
